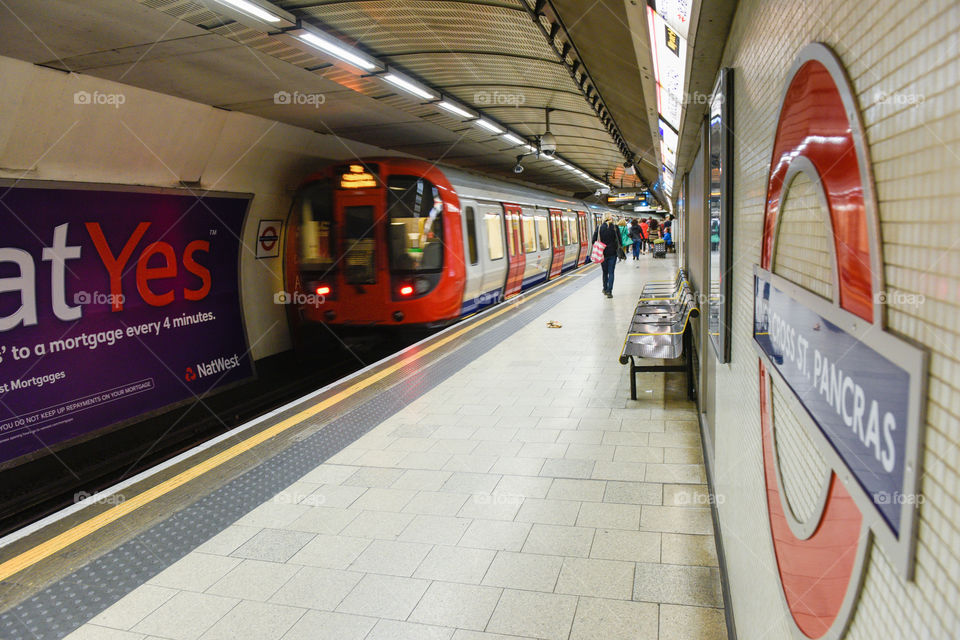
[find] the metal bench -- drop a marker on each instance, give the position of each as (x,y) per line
(666,289)
(660,329)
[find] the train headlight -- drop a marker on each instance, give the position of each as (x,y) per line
(406,290)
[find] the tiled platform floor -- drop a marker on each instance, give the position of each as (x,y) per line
(525,497)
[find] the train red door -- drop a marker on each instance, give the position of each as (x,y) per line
(557,239)
(517,258)
(582,222)
(362,268)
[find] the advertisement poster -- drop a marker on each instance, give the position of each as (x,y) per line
(113,304)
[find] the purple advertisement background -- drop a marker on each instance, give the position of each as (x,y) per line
(162,353)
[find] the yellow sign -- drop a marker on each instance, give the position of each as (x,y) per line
(357,178)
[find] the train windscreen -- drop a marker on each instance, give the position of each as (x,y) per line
(415,216)
(314,204)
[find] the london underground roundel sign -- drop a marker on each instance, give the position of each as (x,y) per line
(859,390)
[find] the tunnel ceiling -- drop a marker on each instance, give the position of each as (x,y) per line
(498,58)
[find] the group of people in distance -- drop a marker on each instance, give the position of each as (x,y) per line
(620,236)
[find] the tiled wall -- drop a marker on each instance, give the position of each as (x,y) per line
(904,62)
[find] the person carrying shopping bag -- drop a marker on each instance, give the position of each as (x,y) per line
(608,234)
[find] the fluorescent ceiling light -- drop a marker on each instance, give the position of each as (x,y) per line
(509,137)
(408,86)
(452,108)
(252,10)
(531,148)
(338,50)
(489,126)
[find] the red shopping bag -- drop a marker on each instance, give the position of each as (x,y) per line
(597,254)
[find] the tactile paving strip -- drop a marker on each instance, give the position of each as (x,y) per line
(75,599)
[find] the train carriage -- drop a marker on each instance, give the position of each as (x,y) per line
(399,241)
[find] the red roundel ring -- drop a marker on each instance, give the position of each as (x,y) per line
(819,121)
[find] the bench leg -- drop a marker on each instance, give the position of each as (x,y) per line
(633,379)
(688,354)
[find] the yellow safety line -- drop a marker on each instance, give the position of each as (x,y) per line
(80,531)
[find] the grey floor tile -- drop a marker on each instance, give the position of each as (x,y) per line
(604,619)
(559,540)
(491,507)
(678,584)
(435,529)
(455,564)
(317,588)
(638,454)
(133,607)
(575,489)
(629,471)
(421,480)
(195,572)
(633,492)
(328,495)
(460,606)
(523,486)
(378,524)
(186,616)
(254,621)
(496,535)
(527,571)
(273,545)
(518,466)
(326,520)
(437,503)
(677,519)
(631,546)
(461,482)
(691,623)
(332,552)
(379,477)
(323,625)
(596,578)
(539,615)
(686,495)
(605,515)
(549,511)
(381,499)
(394,630)
(678,473)
(680,548)
(391,558)
(384,597)
(253,580)
(424,460)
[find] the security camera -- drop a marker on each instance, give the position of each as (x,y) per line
(548,144)
(518,168)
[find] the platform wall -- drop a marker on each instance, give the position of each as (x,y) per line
(910,51)
(156,140)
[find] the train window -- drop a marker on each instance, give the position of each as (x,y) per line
(415,234)
(565,232)
(543,232)
(494,235)
(511,250)
(472,235)
(555,219)
(529,235)
(314,206)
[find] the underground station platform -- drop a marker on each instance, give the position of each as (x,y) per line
(494,480)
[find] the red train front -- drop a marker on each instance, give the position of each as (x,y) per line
(377,242)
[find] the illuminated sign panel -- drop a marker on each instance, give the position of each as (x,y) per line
(668,145)
(356,177)
(669,61)
(676,13)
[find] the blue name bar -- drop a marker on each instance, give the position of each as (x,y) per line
(859,396)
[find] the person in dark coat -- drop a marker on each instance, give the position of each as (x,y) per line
(609,234)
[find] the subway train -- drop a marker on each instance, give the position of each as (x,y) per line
(399,241)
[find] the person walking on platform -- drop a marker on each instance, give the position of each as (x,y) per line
(609,234)
(625,240)
(645,227)
(636,234)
